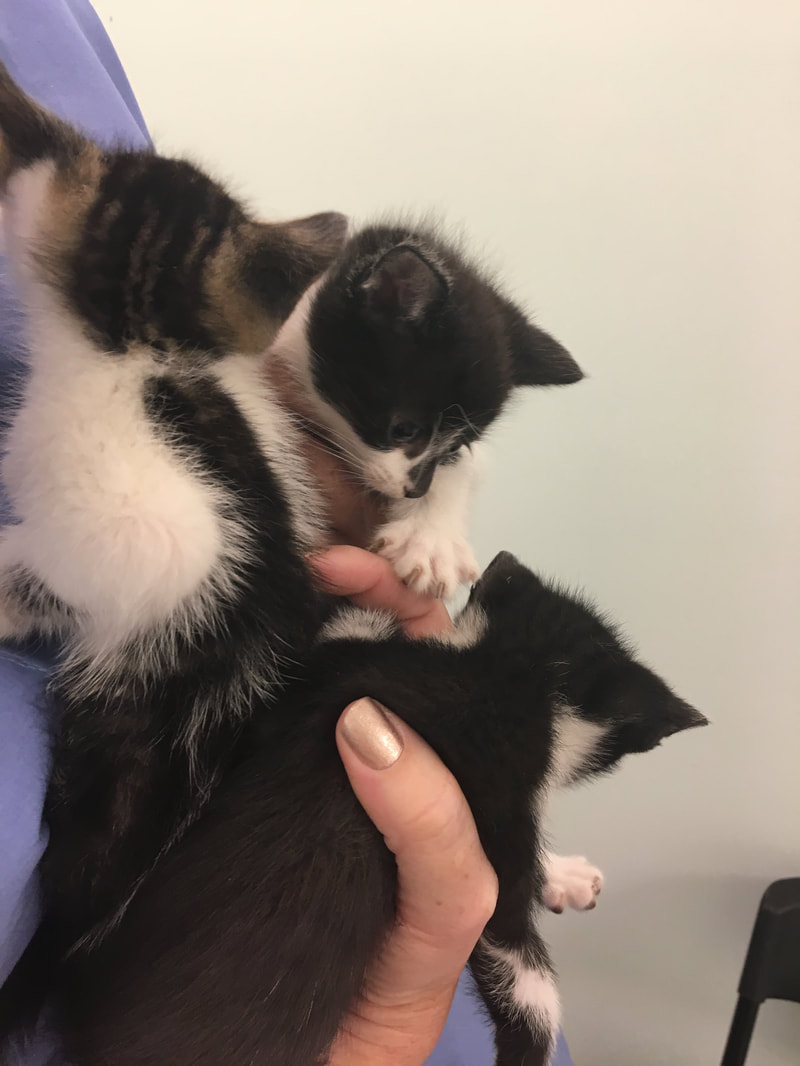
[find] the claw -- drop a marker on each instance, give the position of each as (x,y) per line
(415,575)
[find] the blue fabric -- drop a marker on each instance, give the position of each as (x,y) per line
(467,1038)
(59,51)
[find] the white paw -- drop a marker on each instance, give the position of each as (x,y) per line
(427,558)
(570,881)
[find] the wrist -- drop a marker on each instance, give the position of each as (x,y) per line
(397,1034)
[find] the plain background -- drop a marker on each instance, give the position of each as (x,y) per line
(634,170)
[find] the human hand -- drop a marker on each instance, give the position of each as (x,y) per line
(369,581)
(446,888)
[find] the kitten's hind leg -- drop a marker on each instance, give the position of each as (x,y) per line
(518,987)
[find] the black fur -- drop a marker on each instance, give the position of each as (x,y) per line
(452,348)
(250,940)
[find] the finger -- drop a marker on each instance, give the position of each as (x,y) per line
(369,581)
(446,888)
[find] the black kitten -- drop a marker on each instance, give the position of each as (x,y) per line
(251,939)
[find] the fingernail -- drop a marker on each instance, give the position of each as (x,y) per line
(371,735)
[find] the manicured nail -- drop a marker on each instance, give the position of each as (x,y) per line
(371,735)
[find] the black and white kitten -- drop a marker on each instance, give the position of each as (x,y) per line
(452,351)
(163,507)
(250,940)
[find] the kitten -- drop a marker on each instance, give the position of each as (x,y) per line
(452,351)
(164,509)
(531,692)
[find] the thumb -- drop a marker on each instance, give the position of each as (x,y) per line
(446,888)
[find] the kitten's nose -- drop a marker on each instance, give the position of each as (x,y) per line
(421,478)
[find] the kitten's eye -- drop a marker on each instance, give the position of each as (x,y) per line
(404,432)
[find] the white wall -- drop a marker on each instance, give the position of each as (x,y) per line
(635,169)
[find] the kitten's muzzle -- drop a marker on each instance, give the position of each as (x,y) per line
(421,478)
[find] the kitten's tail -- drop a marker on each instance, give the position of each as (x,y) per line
(28,132)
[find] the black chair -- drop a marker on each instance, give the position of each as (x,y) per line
(772,966)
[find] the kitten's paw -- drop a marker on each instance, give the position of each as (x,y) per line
(570,881)
(427,558)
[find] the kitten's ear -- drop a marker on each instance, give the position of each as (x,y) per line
(403,286)
(646,711)
(281,259)
(505,582)
(682,715)
(537,358)
(320,237)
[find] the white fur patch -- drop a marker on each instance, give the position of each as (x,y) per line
(24,196)
(528,991)
(570,881)
(358,623)
(388,472)
(575,740)
(244,379)
(469,630)
(113,520)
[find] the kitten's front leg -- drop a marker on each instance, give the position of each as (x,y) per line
(518,987)
(425,539)
(570,881)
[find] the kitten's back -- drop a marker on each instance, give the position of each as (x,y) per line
(145,249)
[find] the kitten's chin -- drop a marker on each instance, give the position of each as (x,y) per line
(387,492)
(387,473)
